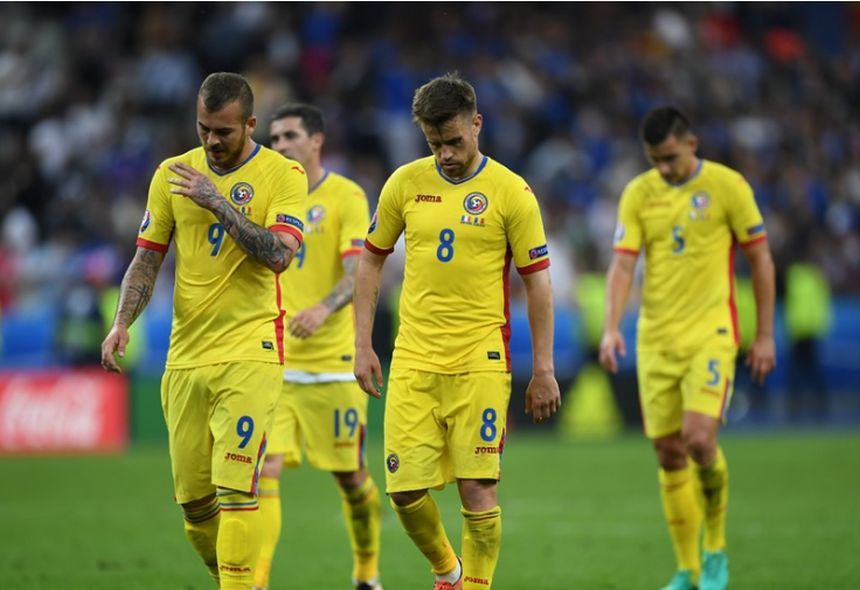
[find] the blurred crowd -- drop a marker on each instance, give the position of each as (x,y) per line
(94,95)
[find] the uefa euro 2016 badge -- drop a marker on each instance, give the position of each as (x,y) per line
(392,461)
(699,202)
(241,193)
(373,222)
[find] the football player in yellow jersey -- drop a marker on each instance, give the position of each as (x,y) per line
(465,218)
(688,214)
(321,409)
(233,210)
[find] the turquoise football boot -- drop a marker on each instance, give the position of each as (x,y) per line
(683,580)
(715,571)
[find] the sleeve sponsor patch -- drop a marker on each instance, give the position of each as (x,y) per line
(619,233)
(538,252)
(356,243)
(755,229)
(374,220)
(147,221)
(290,220)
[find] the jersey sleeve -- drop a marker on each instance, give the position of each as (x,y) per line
(525,231)
(744,216)
(354,221)
(156,229)
(628,229)
(286,209)
(387,222)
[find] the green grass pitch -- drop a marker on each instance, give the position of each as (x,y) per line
(577,515)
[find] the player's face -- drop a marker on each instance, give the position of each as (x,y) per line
(224,134)
(674,158)
(290,138)
(455,144)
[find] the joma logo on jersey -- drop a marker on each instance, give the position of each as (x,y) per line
(428,199)
(488,450)
(228,456)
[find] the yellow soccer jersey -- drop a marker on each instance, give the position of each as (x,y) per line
(460,239)
(226,305)
(335,226)
(689,234)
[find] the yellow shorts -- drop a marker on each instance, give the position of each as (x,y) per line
(218,417)
(671,384)
(325,420)
(439,428)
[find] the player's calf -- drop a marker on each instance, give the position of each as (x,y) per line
(202,520)
(238,538)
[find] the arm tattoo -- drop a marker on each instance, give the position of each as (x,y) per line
(137,285)
(373,302)
(342,292)
(258,242)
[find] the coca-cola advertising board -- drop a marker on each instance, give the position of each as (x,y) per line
(63,411)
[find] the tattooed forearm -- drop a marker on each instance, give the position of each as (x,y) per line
(342,292)
(373,301)
(137,285)
(256,241)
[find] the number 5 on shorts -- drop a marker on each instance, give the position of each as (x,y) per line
(245,430)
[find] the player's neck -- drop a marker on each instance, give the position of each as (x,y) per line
(250,145)
(473,166)
(692,169)
(315,172)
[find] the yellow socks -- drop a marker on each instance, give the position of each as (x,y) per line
(362,516)
(201,528)
(423,523)
(238,539)
(683,517)
(482,540)
(270,528)
(714,480)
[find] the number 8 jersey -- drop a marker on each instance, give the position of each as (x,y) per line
(226,305)
(461,236)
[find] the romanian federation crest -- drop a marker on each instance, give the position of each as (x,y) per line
(241,193)
(700,200)
(475,203)
(316,214)
(392,461)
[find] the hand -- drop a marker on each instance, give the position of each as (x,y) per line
(194,185)
(114,343)
(308,321)
(612,342)
(761,358)
(542,397)
(368,371)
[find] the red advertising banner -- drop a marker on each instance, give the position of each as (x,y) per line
(63,411)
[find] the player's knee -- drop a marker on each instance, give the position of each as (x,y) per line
(406,498)
(194,505)
(349,480)
(700,446)
(670,453)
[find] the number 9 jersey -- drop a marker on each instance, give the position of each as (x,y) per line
(461,237)
(226,305)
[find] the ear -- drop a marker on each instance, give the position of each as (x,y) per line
(477,123)
(251,124)
(318,140)
(693,142)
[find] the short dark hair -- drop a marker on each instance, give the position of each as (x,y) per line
(221,88)
(662,122)
(443,98)
(312,118)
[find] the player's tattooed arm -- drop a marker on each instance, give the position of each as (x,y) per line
(341,295)
(137,285)
(273,250)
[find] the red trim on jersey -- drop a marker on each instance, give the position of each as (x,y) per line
(350,252)
(529,269)
(626,251)
(725,403)
(754,241)
(288,229)
(506,290)
(279,321)
(733,308)
(152,245)
(255,479)
(362,434)
(377,249)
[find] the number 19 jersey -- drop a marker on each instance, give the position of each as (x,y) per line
(461,237)
(226,305)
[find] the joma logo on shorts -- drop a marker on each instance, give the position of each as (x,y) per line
(428,199)
(236,457)
(487,450)
(483,581)
(233,568)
